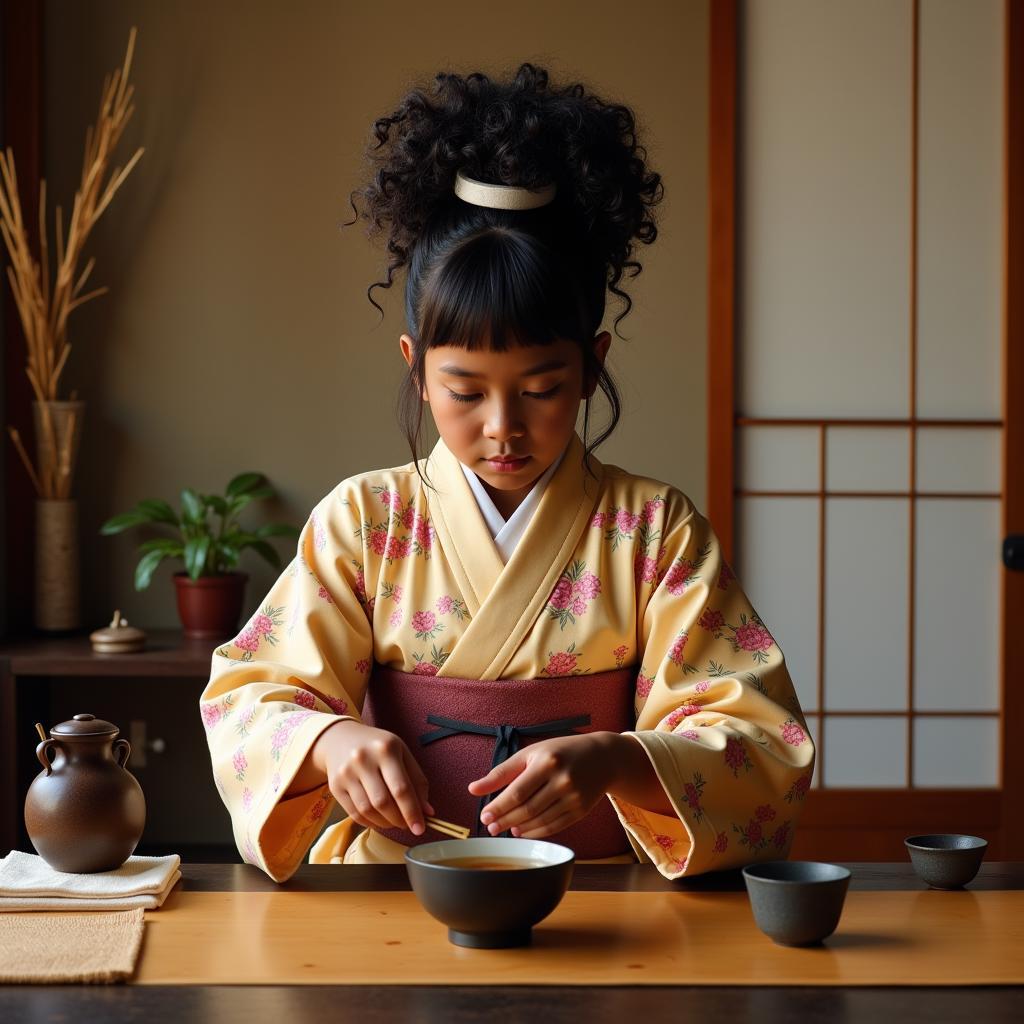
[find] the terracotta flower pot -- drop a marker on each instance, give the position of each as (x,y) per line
(210,606)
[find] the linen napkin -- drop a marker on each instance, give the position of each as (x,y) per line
(48,948)
(27,882)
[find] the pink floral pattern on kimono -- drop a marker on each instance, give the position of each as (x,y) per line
(260,628)
(683,572)
(563,663)
(749,635)
(426,625)
(307,698)
(692,793)
(799,788)
(449,605)
(284,730)
(573,592)
(424,666)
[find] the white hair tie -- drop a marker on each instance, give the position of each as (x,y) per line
(502,197)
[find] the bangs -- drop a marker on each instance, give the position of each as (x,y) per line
(499,290)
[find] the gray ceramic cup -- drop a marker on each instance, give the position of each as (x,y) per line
(946,860)
(796,902)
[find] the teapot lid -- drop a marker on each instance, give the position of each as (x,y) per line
(84,725)
(118,637)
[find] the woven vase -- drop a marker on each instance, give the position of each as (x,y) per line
(57,549)
(57,602)
(66,420)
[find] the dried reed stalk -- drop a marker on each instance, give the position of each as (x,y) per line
(43,307)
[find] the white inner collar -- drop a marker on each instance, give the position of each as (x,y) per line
(507,533)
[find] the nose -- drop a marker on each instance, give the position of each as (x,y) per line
(503,420)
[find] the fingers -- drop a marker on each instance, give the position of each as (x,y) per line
(527,790)
(419,780)
(402,794)
(548,825)
(379,792)
(566,802)
(515,811)
(499,776)
(526,773)
(553,787)
(358,805)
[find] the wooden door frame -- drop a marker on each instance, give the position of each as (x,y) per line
(870,824)
(21,27)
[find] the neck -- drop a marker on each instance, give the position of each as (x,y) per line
(506,502)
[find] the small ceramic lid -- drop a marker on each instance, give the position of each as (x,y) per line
(118,637)
(84,725)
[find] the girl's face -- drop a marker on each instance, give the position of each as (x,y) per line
(519,405)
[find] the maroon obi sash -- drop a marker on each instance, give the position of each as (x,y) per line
(457,729)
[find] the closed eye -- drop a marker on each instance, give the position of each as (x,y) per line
(550,393)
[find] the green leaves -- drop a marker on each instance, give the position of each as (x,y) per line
(146,567)
(207,547)
(164,544)
(193,506)
(243,483)
(159,511)
(218,504)
(196,550)
(144,512)
(123,521)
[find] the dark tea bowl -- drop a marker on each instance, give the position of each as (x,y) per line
(946,861)
(796,902)
(484,907)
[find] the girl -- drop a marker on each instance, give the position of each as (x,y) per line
(507,633)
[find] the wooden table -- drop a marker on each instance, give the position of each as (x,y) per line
(296,1003)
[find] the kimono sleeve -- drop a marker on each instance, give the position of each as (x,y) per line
(299,665)
(719,718)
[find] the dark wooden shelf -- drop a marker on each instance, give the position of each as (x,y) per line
(167,653)
(29,665)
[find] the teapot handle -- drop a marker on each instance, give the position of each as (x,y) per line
(119,746)
(42,752)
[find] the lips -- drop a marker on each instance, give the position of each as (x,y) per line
(505,464)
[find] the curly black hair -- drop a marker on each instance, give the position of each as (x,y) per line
(480,277)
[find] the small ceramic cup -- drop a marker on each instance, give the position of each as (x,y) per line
(945,860)
(796,902)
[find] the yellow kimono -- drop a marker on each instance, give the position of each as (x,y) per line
(617,571)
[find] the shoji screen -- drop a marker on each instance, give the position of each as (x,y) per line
(868,388)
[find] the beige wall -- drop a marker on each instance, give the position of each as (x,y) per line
(237,334)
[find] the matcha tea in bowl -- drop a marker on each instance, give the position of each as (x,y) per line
(490,891)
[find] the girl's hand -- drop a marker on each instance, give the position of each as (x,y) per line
(550,784)
(373,775)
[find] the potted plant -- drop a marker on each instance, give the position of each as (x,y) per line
(209,540)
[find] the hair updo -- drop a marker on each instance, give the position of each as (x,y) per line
(485,278)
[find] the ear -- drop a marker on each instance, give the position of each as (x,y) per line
(601,343)
(405,343)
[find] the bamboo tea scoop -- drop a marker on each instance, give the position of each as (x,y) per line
(448,829)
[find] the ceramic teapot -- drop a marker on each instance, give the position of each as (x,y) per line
(84,812)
